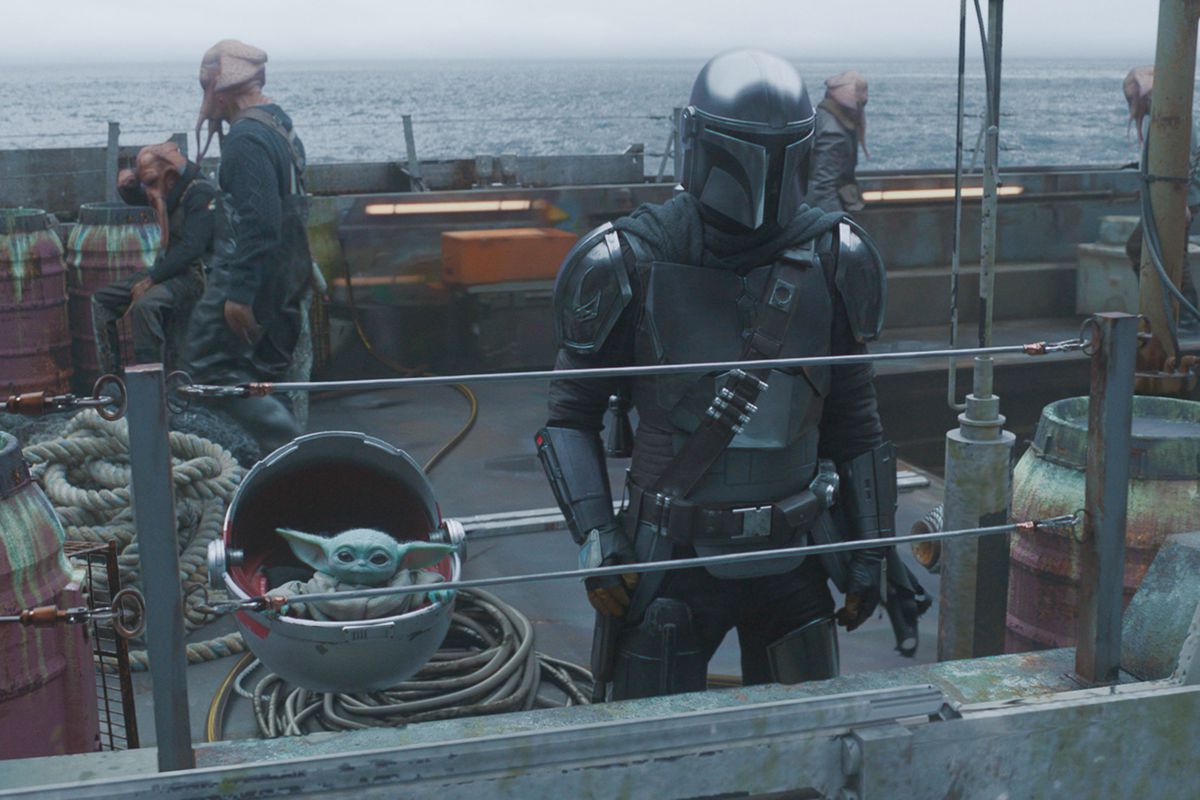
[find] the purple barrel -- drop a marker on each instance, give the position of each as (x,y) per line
(110,242)
(35,352)
(47,674)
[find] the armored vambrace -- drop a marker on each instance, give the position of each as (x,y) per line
(574,463)
(868,496)
(868,503)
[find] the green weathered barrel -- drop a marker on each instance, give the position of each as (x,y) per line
(1164,490)
(47,677)
(111,241)
(35,352)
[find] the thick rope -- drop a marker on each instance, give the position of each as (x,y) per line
(86,475)
(487,665)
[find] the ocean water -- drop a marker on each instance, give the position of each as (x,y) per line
(1053,112)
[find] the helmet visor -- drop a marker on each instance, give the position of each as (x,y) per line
(733,175)
(793,178)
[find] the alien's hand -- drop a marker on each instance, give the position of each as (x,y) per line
(443,596)
(604,547)
(140,288)
(240,319)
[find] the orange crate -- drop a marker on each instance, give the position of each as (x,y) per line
(503,254)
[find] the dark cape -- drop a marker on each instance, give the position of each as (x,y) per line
(674,231)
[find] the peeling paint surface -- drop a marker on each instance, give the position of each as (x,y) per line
(1164,493)
(33,300)
(111,241)
(41,712)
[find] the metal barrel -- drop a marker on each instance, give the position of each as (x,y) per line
(47,677)
(110,242)
(35,352)
(1044,565)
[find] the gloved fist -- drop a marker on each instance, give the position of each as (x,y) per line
(862,591)
(605,546)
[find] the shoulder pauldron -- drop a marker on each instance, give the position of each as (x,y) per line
(861,281)
(591,292)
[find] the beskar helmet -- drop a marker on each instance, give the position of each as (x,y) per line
(747,135)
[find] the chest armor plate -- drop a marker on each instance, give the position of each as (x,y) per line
(696,314)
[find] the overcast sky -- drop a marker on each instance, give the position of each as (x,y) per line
(292,30)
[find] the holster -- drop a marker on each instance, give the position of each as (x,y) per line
(661,655)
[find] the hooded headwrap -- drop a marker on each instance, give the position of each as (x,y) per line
(848,91)
(1139,84)
(228,68)
(153,166)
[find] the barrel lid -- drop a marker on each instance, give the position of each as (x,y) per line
(22,220)
(115,214)
(14,472)
(1165,442)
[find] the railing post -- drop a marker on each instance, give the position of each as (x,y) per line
(111,154)
(1102,557)
(677,146)
(410,148)
(154,519)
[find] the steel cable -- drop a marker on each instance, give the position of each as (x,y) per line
(373,384)
(1154,245)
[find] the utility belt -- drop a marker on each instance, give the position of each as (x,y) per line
(761,525)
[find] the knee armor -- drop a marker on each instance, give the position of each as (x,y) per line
(809,653)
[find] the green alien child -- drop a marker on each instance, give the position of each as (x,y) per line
(361,558)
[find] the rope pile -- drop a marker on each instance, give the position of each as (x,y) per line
(487,665)
(86,476)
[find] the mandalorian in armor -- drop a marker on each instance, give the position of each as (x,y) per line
(735,267)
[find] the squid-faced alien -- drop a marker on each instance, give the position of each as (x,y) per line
(357,559)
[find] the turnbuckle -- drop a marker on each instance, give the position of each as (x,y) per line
(1064,346)
(126,613)
(1050,523)
(107,398)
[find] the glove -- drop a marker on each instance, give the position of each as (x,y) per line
(862,589)
(605,546)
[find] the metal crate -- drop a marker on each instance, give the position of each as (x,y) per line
(114,684)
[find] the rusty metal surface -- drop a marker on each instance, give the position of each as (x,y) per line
(1133,740)
(154,517)
(114,684)
(35,354)
(1045,566)
(1168,146)
(47,700)
(111,241)
(1106,493)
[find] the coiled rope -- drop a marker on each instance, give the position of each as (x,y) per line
(487,665)
(86,475)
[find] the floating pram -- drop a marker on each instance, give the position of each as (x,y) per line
(333,481)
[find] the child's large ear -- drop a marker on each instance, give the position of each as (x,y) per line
(308,547)
(419,555)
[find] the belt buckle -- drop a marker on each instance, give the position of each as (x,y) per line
(756,522)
